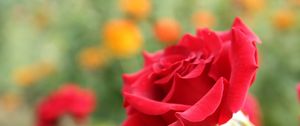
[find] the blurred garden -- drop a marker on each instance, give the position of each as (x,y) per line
(46,44)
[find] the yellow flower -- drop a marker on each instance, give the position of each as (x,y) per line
(284,19)
(136,8)
(10,101)
(91,58)
(203,19)
(122,37)
(167,30)
(25,76)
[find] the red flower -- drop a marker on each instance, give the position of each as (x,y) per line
(252,110)
(202,80)
(69,99)
(298,91)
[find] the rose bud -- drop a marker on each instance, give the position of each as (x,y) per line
(69,100)
(201,81)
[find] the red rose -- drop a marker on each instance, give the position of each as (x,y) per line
(69,99)
(202,80)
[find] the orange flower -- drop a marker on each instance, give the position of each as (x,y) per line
(91,58)
(42,17)
(284,19)
(203,19)
(136,8)
(167,30)
(251,6)
(25,76)
(44,68)
(295,2)
(10,101)
(31,74)
(122,37)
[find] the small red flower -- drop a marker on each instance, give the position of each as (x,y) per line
(298,91)
(69,99)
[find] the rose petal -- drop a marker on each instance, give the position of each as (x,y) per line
(151,107)
(196,72)
(129,79)
(177,123)
(225,113)
(221,66)
(168,74)
(188,91)
(239,24)
(149,58)
(83,104)
(225,36)
(211,42)
(176,50)
(243,69)
(256,61)
(139,119)
(206,106)
(142,85)
(191,42)
(169,117)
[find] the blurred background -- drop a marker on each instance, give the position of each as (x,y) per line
(47,43)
